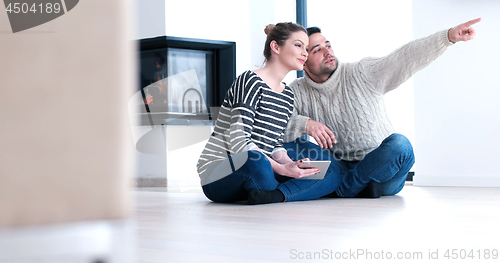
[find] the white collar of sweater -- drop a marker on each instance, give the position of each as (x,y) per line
(329,83)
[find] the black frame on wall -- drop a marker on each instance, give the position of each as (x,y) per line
(223,65)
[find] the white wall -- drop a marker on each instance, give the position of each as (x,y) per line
(456,98)
(150,18)
(363,28)
(240,21)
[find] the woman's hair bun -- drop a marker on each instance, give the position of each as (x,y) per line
(268,29)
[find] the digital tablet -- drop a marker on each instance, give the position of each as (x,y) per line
(321,165)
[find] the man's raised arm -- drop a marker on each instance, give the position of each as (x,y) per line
(388,72)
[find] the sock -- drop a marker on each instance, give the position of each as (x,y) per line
(372,190)
(259,197)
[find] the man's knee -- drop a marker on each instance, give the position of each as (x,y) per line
(300,149)
(400,145)
(399,142)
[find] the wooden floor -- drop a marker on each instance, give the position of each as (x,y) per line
(421,224)
(418,225)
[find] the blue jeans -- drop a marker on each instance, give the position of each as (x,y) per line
(388,164)
(242,172)
(251,170)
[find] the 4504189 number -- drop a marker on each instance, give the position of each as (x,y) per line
(471,254)
(34,8)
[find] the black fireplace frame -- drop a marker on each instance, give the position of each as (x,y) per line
(223,74)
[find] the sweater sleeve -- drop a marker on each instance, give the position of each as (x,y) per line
(296,126)
(279,146)
(246,97)
(387,73)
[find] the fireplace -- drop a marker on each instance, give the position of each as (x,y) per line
(183,81)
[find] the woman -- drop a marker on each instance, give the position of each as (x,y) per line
(244,152)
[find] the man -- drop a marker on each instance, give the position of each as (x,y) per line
(341,106)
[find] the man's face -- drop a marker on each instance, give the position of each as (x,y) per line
(321,61)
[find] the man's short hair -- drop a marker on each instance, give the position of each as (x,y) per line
(313,30)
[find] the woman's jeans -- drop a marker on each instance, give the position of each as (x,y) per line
(388,164)
(252,170)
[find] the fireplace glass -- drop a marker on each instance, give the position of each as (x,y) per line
(176,81)
(183,81)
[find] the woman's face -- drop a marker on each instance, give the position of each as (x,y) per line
(293,54)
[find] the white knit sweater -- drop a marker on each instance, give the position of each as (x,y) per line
(351,101)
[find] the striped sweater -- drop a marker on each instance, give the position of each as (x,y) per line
(351,101)
(251,116)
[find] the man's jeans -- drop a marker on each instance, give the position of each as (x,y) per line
(388,164)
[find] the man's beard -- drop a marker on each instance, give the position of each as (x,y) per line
(325,70)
